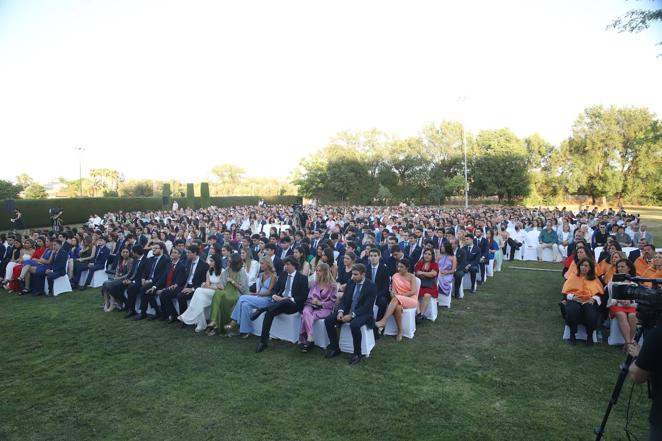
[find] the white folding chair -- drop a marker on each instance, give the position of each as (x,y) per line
(320,336)
(286,327)
(61,285)
(98,278)
(580,334)
(346,342)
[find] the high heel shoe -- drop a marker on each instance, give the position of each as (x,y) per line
(230,326)
(398,337)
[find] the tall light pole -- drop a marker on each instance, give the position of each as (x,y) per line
(462,100)
(80,171)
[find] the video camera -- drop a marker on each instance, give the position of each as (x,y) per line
(635,291)
(54,211)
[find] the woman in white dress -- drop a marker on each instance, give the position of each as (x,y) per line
(251,267)
(195,313)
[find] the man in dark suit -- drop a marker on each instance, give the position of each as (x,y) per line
(337,244)
(113,256)
(634,255)
(5,253)
(132,283)
(378,274)
(468,261)
(59,265)
(392,262)
(196,274)
(270,252)
(484,249)
(413,252)
(157,270)
(175,280)
(290,294)
(141,239)
(285,247)
(355,309)
(98,263)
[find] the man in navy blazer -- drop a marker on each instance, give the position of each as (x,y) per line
(413,252)
(290,294)
(98,263)
(484,250)
(379,274)
(58,266)
(468,260)
(155,279)
(356,309)
(175,280)
(132,283)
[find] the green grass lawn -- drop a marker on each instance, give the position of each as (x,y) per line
(491,368)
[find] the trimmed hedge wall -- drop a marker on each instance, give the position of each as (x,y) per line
(76,211)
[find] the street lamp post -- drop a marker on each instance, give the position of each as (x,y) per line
(80,172)
(462,101)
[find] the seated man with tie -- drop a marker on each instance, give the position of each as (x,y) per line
(196,275)
(291,292)
(98,263)
(132,283)
(59,265)
(157,270)
(355,309)
(175,279)
(379,275)
(468,260)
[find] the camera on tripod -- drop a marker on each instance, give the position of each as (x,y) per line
(54,211)
(648,299)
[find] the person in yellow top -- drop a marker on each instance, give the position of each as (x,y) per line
(644,263)
(582,294)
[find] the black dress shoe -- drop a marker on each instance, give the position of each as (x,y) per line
(172,319)
(154,317)
(182,325)
(330,353)
(260,347)
(140,317)
(589,340)
(130,314)
(355,359)
(257,313)
(163,317)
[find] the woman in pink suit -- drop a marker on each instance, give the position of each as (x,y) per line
(320,303)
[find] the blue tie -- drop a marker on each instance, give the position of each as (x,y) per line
(355,297)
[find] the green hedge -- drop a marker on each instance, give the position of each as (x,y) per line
(76,211)
(204,195)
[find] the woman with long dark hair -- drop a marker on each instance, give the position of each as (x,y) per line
(234,282)
(583,296)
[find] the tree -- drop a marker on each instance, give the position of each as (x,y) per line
(497,142)
(204,195)
(24,180)
(105,180)
(35,191)
(636,20)
(190,196)
(137,188)
(502,174)
(8,190)
(228,173)
(539,152)
(443,140)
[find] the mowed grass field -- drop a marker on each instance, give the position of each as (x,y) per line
(493,367)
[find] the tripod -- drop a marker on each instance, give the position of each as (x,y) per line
(599,431)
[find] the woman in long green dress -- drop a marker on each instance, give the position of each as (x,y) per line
(234,282)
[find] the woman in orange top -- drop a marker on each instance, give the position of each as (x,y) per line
(403,296)
(582,293)
(624,311)
(580,253)
(607,268)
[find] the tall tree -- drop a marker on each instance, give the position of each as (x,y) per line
(228,173)
(35,191)
(24,180)
(8,190)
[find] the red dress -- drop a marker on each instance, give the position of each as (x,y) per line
(432,267)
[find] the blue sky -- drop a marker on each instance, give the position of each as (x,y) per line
(165,89)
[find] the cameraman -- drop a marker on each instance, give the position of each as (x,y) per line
(647,366)
(56,219)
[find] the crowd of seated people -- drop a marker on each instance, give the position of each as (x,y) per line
(585,301)
(219,269)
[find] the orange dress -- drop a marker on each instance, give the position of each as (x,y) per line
(401,285)
(582,289)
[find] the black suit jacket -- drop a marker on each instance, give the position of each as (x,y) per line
(179,277)
(365,302)
(634,255)
(138,270)
(299,288)
(473,256)
(391,264)
(461,257)
(160,272)
(200,275)
(483,247)
(413,256)
(278,265)
(382,279)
